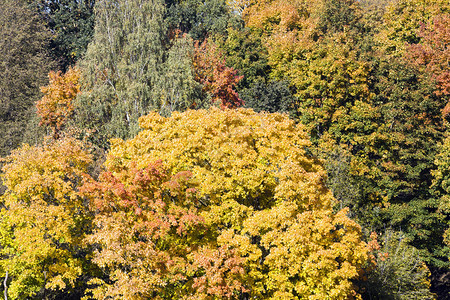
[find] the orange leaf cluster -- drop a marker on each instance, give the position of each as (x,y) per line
(216,78)
(434,51)
(152,238)
(56,106)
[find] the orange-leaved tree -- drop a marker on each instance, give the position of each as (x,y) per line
(56,106)
(153,242)
(248,216)
(434,53)
(217,79)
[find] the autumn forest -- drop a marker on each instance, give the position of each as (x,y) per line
(213,149)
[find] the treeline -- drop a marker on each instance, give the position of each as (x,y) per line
(344,194)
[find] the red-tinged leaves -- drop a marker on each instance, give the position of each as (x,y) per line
(150,235)
(217,79)
(434,52)
(222,271)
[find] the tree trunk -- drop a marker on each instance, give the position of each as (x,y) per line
(5,284)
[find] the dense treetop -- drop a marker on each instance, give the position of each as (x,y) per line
(144,176)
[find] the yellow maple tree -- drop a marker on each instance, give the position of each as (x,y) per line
(261,197)
(43,218)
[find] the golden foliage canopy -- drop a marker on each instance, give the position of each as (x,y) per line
(264,225)
(43,218)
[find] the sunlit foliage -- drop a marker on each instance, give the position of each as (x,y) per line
(44,219)
(56,107)
(217,79)
(259,195)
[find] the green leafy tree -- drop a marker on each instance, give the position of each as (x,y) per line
(411,113)
(72,26)
(244,51)
(199,18)
(274,96)
(338,15)
(180,89)
(125,67)
(441,186)
(24,65)
(399,272)
(440,190)
(386,148)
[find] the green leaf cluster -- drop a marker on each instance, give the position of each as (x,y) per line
(24,65)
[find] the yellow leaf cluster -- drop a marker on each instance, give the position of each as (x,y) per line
(262,197)
(42,217)
(402,21)
(255,159)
